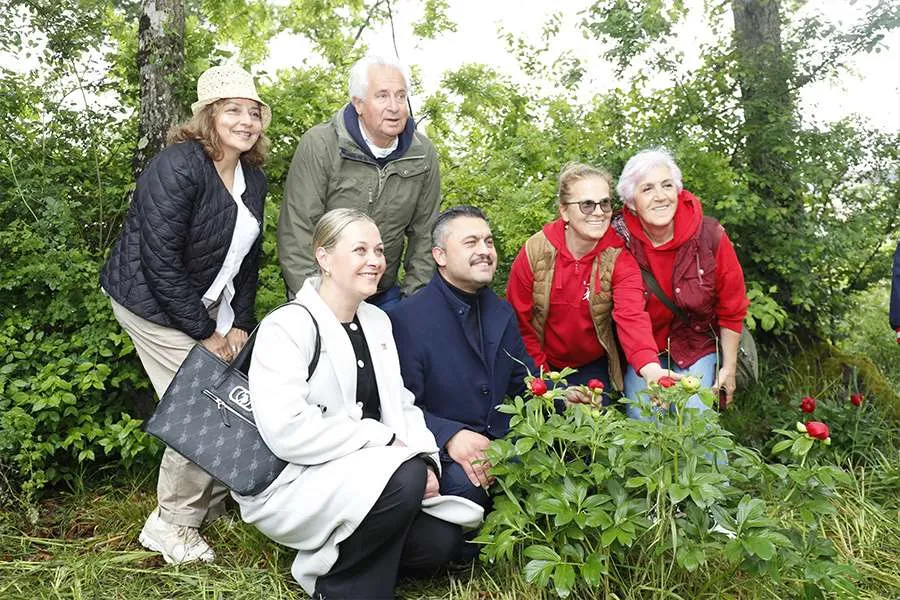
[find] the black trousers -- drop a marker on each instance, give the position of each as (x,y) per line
(395,534)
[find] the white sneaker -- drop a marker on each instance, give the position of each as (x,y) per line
(177,543)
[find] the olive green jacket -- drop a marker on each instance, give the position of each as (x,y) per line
(330,171)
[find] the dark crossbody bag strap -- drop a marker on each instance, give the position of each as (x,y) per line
(653,285)
(242,362)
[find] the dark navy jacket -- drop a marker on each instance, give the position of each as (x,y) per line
(176,235)
(895,290)
(454,384)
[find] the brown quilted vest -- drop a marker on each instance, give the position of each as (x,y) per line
(542,258)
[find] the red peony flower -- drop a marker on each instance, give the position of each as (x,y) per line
(538,387)
(595,384)
(807,404)
(666,381)
(856,399)
(817,430)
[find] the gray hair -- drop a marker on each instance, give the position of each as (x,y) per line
(439,229)
(332,224)
(358,85)
(637,167)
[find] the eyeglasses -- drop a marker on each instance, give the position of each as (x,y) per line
(588,207)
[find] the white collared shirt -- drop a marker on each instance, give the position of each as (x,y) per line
(246,230)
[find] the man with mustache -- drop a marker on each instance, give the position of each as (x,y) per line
(461,351)
(370,157)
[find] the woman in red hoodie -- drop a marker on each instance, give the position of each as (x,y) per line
(697,271)
(573,279)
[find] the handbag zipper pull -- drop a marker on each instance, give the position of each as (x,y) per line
(223,414)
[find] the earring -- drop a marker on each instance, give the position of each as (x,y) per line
(327,273)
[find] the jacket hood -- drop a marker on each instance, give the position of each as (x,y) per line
(351,124)
(555,231)
(688,217)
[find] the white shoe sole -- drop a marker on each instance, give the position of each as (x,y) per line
(153,545)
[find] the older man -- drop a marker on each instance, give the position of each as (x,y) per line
(369,157)
(461,351)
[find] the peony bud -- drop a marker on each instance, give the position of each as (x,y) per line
(856,399)
(690,384)
(817,430)
(807,404)
(595,384)
(538,387)
(666,381)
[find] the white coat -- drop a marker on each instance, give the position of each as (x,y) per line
(338,462)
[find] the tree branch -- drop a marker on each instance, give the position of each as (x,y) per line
(889,228)
(368,20)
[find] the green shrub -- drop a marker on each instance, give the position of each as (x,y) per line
(584,494)
(68,375)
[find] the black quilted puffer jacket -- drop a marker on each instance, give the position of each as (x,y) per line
(174,241)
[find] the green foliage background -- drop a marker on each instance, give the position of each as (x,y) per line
(71,389)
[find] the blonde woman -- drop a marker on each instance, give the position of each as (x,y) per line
(572,281)
(363,467)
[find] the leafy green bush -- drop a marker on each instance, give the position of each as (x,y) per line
(68,374)
(586,493)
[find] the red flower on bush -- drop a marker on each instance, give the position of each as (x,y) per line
(856,399)
(807,404)
(538,387)
(595,384)
(666,381)
(818,430)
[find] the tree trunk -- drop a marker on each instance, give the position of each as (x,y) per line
(768,156)
(160,61)
(764,73)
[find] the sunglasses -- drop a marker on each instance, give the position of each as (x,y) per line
(588,207)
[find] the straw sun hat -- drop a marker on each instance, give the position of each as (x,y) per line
(228,81)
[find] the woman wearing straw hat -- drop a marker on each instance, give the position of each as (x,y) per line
(185,270)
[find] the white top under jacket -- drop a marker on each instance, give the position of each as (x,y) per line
(246,230)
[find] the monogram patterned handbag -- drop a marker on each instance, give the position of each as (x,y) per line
(206,416)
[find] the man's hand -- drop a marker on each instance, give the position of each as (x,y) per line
(432,486)
(576,395)
(467,448)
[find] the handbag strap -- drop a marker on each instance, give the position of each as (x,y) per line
(654,287)
(651,283)
(242,361)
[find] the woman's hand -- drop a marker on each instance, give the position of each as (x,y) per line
(731,341)
(726,379)
(651,372)
(432,486)
(217,344)
(236,339)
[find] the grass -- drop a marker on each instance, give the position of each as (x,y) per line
(83,545)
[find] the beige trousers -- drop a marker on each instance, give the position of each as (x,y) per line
(186,494)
